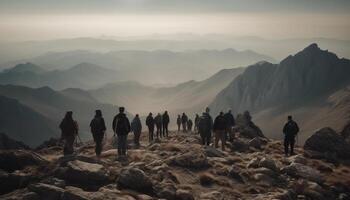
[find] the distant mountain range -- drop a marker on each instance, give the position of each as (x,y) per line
(304,80)
(83,75)
(190,96)
(150,67)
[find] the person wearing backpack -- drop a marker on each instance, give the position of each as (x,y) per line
(196,121)
(158,121)
(69,131)
(189,125)
(150,125)
(178,122)
(184,120)
(121,127)
(165,121)
(136,127)
(220,127)
(290,130)
(230,124)
(98,128)
(205,125)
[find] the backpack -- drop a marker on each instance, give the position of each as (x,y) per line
(96,125)
(204,124)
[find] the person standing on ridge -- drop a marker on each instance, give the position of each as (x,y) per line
(69,130)
(189,125)
(205,126)
(220,127)
(196,120)
(184,120)
(166,121)
(230,124)
(158,121)
(98,128)
(136,127)
(150,125)
(178,122)
(121,127)
(290,130)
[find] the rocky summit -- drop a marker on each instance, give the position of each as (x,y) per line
(180,168)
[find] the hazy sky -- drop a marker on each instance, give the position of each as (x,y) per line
(47,19)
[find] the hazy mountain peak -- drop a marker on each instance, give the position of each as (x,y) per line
(25,67)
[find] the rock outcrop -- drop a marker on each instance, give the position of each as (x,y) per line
(327,141)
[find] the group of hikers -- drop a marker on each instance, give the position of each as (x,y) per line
(222,127)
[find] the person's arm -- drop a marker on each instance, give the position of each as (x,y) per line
(296,128)
(114,124)
(285,129)
(103,125)
(128,124)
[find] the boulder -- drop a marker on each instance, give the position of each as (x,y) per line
(239,145)
(206,179)
(46,191)
(246,126)
(253,163)
(327,140)
(74,193)
(213,152)
(235,173)
(303,171)
(268,163)
(85,174)
(166,190)
(135,179)
(191,159)
(297,159)
(255,142)
(13,181)
(184,195)
(11,160)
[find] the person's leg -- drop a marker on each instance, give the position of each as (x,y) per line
(120,144)
(167,131)
(98,141)
(138,138)
(292,141)
(208,138)
(217,137)
(286,144)
(223,140)
(124,147)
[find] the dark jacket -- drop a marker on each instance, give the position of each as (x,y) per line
(178,120)
(230,119)
(291,128)
(166,119)
(196,120)
(184,119)
(68,127)
(97,125)
(136,125)
(220,123)
(150,121)
(158,120)
(121,124)
(205,123)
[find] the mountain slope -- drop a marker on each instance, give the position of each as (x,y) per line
(191,96)
(25,124)
(303,85)
(83,75)
(53,104)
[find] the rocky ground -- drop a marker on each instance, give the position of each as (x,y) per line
(179,168)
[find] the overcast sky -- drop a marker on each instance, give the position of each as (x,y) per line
(48,19)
